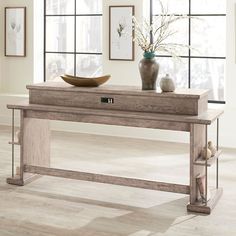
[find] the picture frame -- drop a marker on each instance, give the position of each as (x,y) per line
(15,32)
(121,44)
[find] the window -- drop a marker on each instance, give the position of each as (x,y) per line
(72,38)
(204,66)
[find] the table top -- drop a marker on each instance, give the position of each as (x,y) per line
(205,118)
(123,90)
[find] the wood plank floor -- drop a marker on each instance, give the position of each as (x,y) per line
(55,206)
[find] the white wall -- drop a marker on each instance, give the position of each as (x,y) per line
(228,127)
(38,32)
(5,114)
(17,72)
(125,73)
(1,43)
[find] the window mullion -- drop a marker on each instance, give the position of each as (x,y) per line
(44,41)
(75,45)
(151,20)
(189,50)
(213,65)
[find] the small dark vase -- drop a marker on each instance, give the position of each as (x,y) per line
(148,68)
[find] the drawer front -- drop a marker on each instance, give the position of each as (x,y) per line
(166,105)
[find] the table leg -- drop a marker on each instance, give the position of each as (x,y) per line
(198,140)
(34,148)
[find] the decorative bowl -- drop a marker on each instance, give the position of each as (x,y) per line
(85,81)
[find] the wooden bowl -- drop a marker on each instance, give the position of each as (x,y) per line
(85,81)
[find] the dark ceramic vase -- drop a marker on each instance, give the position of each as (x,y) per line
(148,68)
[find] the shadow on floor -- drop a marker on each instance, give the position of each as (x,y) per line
(139,221)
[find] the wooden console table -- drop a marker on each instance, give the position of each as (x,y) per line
(58,101)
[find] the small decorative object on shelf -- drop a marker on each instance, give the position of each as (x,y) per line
(201,188)
(212,148)
(85,81)
(17,170)
(167,84)
(148,68)
(18,136)
(206,154)
(152,39)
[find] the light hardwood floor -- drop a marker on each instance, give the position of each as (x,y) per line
(54,206)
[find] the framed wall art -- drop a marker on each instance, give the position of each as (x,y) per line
(15,31)
(121,45)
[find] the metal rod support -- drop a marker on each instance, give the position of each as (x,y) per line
(206,167)
(13,143)
(217,160)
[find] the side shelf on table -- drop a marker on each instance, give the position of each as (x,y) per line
(15,143)
(202,162)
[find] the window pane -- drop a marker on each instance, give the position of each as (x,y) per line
(57,7)
(178,70)
(88,6)
(180,37)
(60,34)
(208,36)
(58,64)
(173,6)
(208,6)
(89,34)
(209,74)
(88,65)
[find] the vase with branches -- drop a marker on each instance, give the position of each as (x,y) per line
(153,38)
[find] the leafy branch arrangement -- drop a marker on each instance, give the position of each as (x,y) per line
(152,38)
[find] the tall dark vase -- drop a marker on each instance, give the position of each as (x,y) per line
(148,68)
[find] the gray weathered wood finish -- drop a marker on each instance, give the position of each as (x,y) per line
(36,142)
(28,178)
(125,98)
(205,118)
(109,179)
(122,90)
(132,107)
(197,142)
(206,209)
(34,147)
(201,161)
(122,121)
